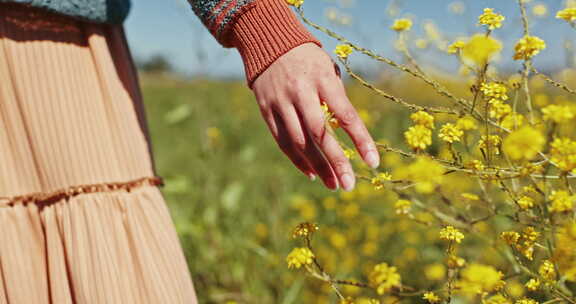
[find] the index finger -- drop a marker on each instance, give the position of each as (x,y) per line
(333,92)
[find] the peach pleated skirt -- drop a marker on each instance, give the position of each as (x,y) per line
(81,217)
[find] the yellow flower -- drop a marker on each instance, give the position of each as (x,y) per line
(449,233)
(426,174)
(528,47)
(512,121)
(435,272)
(384,278)
(480,49)
(561,201)
(524,242)
(401,25)
(454,261)
(299,257)
(343,50)
(526,301)
(524,143)
(431,297)
(456,46)
(568,14)
(564,254)
(525,202)
(470,196)
(510,237)
(422,118)
(491,19)
(478,278)
(494,90)
(403,206)
(348,300)
(418,137)
(304,230)
(296,3)
(497,299)
(540,10)
(466,123)
(378,180)
(499,109)
(450,133)
(493,141)
(563,153)
(546,270)
(558,114)
(349,153)
(532,284)
(476,165)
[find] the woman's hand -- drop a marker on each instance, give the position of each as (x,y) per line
(289,94)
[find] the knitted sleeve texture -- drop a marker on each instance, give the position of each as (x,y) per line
(261,30)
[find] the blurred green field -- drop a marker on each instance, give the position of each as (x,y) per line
(233,195)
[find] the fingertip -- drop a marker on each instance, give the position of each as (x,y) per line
(372,159)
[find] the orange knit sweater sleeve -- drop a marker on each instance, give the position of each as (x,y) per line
(264,32)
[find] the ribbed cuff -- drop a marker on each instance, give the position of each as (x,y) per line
(264,33)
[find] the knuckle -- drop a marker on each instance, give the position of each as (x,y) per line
(341,164)
(317,132)
(299,142)
(347,117)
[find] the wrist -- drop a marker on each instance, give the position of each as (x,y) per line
(265,32)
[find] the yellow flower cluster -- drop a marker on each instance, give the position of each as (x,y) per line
(561,201)
(329,116)
(419,136)
(384,278)
(526,301)
(296,3)
(568,14)
(524,242)
(456,46)
(479,278)
(528,47)
(343,50)
(422,118)
(493,142)
(403,206)
(449,233)
(547,271)
(496,299)
(512,121)
(558,113)
(523,144)
(425,173)
(563,153)
(494,90)
(491,19)
(450,133)
(431,297)
(525,202)
(480,49)
(402,24)
(379,180)
(304,230)
(564,254)
(299,257)
(532,284)
(466,123)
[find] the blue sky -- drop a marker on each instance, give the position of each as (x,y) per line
(170,27)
